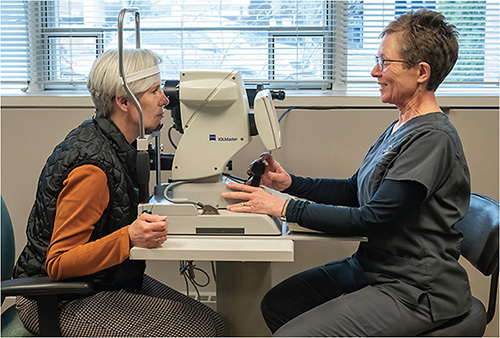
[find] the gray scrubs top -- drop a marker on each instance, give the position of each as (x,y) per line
(419,258)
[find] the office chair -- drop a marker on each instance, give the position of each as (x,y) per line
(480,248)
(46,293)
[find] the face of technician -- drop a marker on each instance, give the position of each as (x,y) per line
(398,83)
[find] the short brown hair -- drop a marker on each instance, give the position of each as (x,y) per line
(426,37)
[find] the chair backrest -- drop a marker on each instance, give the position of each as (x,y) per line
(8,243)
(480,229)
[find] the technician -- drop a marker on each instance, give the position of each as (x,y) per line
(411,188)
(84,220)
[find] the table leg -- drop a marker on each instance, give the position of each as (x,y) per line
(240,289)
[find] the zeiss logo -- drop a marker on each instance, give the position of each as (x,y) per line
(213,137)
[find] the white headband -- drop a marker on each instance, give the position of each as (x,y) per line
(143,74)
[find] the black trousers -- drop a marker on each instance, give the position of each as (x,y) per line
(325,301)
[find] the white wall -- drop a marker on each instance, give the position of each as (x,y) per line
(316,143)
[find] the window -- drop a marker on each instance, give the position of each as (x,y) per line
(14,59)
(320,44)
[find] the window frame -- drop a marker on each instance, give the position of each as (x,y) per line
(334,35)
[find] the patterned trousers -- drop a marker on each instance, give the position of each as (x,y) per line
(154,311)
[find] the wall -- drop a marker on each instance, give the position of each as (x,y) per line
(316,143)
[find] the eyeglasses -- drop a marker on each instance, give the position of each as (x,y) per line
(381,61)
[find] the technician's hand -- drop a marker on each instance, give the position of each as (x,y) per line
(256,200)
(274,177)
(148,231)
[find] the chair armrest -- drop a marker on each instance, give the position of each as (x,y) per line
(43,286)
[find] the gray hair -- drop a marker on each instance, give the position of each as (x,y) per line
(426,37)
(104,82)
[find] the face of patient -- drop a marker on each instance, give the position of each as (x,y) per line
(152,102)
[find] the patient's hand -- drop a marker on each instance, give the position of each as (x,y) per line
(148,231)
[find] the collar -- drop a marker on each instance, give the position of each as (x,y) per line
(126,152)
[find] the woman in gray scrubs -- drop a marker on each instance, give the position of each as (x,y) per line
(411,188)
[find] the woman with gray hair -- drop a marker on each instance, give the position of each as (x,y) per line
(84,219)
(411,188)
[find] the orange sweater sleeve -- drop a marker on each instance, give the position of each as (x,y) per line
(81,203)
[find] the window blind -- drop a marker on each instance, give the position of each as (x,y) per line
(268,41)
(296,44)
(14,58)
(476,21)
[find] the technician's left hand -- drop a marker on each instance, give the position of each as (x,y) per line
(255,200)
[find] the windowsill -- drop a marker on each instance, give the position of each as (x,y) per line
(371,98)
(14,98)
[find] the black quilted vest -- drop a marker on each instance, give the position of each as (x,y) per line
(99,142)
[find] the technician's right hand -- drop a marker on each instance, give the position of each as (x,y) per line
(148,231)
(274,177)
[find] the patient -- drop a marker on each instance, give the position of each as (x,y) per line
(84,220)
(411,188)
